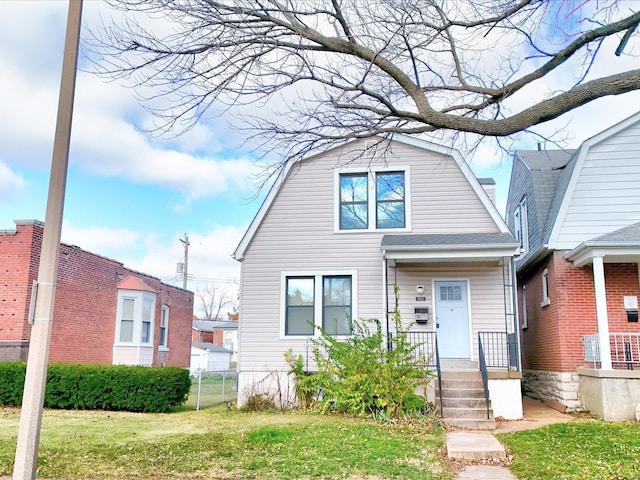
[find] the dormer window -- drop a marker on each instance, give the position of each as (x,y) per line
(521,226)
(374,200)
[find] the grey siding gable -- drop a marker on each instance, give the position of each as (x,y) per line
(520,186)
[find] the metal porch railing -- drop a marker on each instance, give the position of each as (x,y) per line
(483,372)
(625,350)
(500,348)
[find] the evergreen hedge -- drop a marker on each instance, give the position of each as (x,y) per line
(101,387)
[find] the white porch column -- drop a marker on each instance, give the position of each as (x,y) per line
(601,312)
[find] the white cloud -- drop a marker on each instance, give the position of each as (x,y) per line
(11,184)
(100,240)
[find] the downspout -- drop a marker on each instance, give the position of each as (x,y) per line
(516,319)
(385,296)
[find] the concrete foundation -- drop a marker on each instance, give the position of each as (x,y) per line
(11,350)
(611,394)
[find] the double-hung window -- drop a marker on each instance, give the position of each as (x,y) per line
(127,319)
(372,200)
(164,326)
(521,226)
(354,201)
(390,205)
(318,301)
(135,315)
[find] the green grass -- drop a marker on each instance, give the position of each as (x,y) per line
(212,444)
(585,449)
(214,389)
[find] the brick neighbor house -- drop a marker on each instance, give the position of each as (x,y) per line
(103,312)
(575,214)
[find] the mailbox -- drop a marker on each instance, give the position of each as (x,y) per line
(422,314)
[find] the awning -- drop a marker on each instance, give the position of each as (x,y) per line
(620,246)
(459,247)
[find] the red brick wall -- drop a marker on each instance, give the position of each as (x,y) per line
(200,336)
(18,269)
(553,339)
(85,303)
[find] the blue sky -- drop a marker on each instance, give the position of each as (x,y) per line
(132,196)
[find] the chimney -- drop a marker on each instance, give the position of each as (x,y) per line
(489,186)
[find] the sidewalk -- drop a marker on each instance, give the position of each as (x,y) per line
(484,447)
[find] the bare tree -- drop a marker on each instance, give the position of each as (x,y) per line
(358,68)
(212,300)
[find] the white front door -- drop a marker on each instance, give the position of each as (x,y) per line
(452,319)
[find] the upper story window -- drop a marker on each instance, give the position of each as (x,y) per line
(372,200)
(318,301)
(354,201)
(135,314)
(390,211)
(521,226)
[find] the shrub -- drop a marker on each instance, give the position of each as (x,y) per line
(102,387)
(12,382)
(359,375)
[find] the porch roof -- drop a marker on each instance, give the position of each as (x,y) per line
(619,246)
(448,247)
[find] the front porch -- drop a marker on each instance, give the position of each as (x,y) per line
(611,393)
(471,393)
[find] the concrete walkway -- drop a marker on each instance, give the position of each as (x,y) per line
(484,448)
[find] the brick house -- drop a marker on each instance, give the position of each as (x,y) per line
(103,312)
(575,214)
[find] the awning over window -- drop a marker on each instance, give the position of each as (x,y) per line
(460,247)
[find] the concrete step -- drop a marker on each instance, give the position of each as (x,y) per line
(474,446)
(458,364)
(462,402)
(470,423)
(470,384)
(462,393)
(465,412)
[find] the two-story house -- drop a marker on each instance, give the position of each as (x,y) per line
(576,214)
(339,229)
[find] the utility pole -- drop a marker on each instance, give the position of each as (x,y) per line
(26,460)
(185,242)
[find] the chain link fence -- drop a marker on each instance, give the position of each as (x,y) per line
(212,388)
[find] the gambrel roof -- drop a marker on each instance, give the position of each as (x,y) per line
(403,139)
(550,177)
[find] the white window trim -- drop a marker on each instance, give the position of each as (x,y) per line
(371,206)
(545,288)
(525,320)
(139,297)
(164,347)
(521,222)
(317,295)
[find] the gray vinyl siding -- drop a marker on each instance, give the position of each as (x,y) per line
(297,235)
(606,195)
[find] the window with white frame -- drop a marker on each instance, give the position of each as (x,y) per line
(523,303)
(521,226)
(318,301)
(164,326)
(372,200)
(135,314)
(545,288)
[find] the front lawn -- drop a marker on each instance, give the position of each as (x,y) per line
(585,449)
(214,444)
